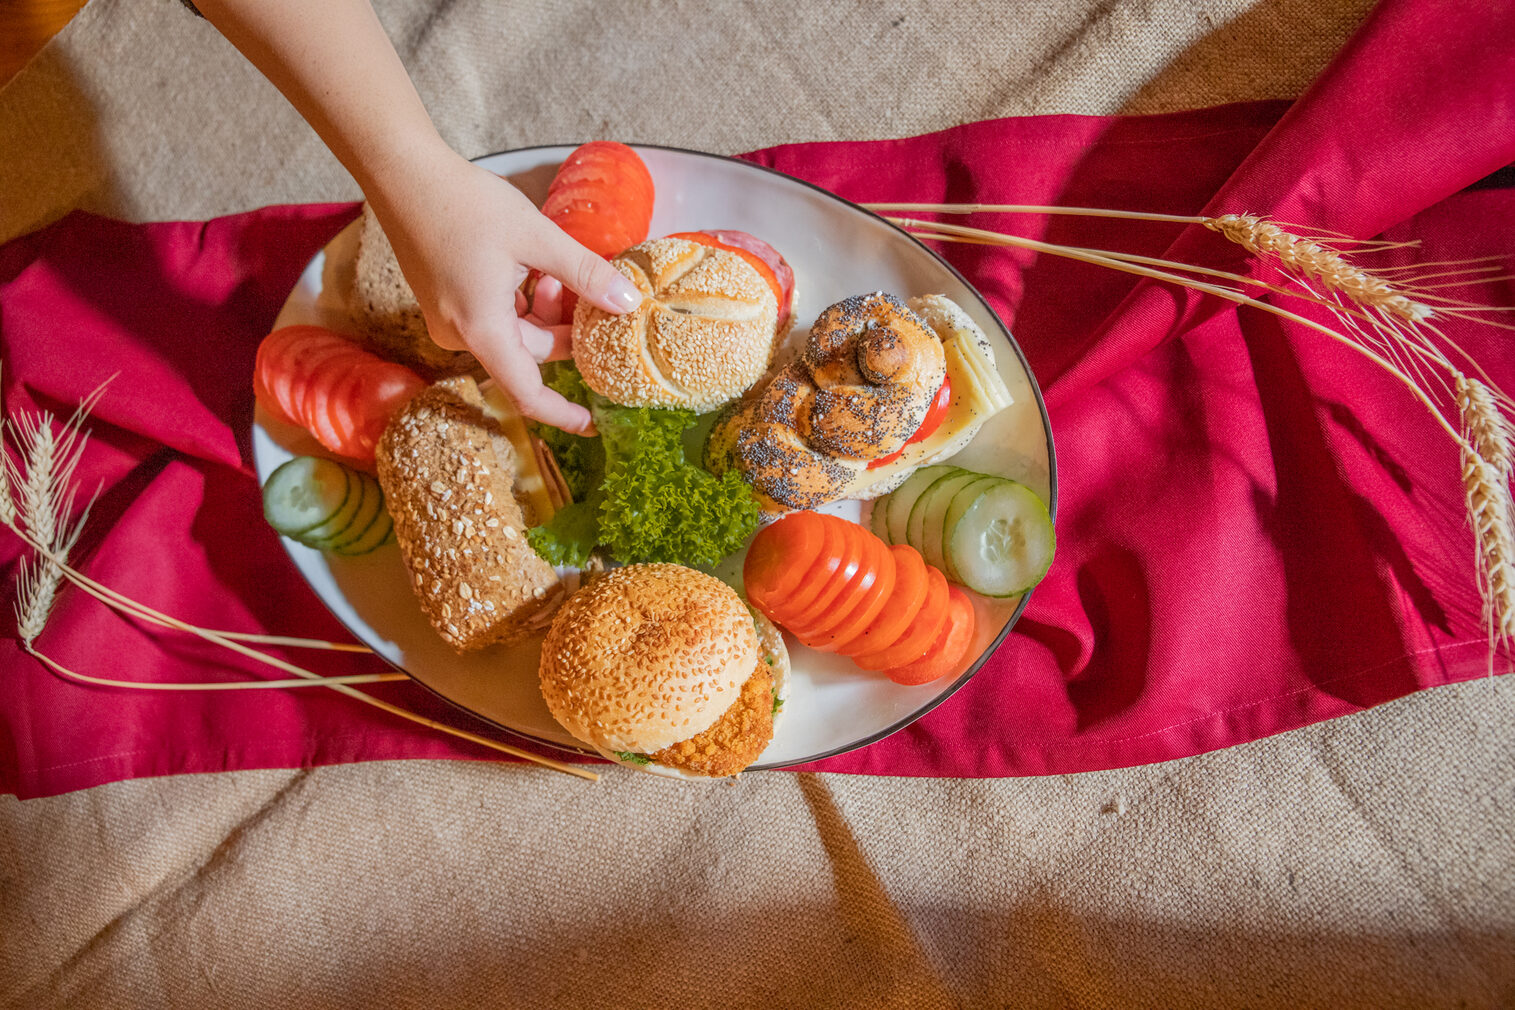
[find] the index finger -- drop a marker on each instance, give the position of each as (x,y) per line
(507,360)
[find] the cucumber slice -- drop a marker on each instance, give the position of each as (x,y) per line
(305,492)
(934,522)
(1002,544)
(876,516)
(379,533)
(342,520)
(902,499)
(371,506)
(942,489)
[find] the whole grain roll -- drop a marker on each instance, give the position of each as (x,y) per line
(704,333)
(449,480)
(384,309)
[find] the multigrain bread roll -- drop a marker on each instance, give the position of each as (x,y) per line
(705,330)
(450,479)
(385,311)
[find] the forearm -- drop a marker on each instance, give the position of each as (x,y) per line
(334,63)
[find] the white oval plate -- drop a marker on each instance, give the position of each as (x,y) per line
(837,249)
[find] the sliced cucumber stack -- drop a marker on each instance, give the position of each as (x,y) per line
(990,534)
(328,506)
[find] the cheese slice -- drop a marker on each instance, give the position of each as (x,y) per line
(530,482)
(978,393)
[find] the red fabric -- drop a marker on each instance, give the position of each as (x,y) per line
(1257,529)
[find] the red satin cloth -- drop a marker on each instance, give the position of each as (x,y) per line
(1256,528)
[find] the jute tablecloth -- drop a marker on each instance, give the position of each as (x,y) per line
(1369,861)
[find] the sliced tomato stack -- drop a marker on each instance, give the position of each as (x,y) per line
(602,196)
(325,383)
(838,588)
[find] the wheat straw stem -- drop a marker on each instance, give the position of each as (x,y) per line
(9,480)
(1020,208)
(1102,259)
(141,685)
(116,600)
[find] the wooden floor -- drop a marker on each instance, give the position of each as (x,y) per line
(25,26)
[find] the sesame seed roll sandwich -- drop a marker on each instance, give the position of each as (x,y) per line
(713,310)
(463,480)
(665,669)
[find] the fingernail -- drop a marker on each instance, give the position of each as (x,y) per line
(623,294)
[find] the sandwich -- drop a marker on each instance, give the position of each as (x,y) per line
(881,388)
(665,669)
(463,480)
(711,316)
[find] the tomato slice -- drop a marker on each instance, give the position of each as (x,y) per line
(274,365)
(707,239)
(385,388)
(600,231)
(325,371)
(304,359)
(922,631)
(831,556)
(602,196)
(855,574)
(779,556)
(870,603)
(782,271)
(951,647)
(267,399)
(344,412)
(859,603)
(935,415)
(606,161)
(910,586)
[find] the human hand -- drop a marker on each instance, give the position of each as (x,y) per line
(465,240)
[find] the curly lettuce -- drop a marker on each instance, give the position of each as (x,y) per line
(642,499)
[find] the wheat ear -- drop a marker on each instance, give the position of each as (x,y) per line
(1319,262)
(1487,463)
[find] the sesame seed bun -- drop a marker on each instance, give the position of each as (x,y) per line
(646,657)
(703,334)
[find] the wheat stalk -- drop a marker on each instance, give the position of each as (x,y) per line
(37,505)
(950,232)
(1381,321)
(45,503)
(131,607)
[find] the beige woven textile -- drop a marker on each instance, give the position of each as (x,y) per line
(1366,862)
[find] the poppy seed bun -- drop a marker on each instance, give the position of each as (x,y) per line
(703,334)
(647,656)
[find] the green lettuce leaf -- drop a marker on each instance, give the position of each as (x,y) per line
(648,501)
(572,532)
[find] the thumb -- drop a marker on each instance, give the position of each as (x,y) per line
(590,276)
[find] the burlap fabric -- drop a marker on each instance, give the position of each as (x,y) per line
(1369,861)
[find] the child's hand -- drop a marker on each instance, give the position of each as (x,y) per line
(465,240)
